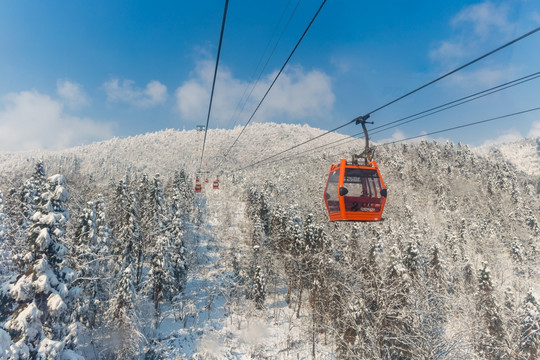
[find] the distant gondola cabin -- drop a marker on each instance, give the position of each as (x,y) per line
(215,184)
(198,187)
(355,192)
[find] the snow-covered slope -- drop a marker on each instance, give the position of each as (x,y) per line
(460,233)
(523,154)
(165,151)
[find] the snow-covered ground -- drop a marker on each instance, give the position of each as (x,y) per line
(212,321)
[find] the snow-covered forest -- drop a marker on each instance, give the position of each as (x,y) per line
(106,252)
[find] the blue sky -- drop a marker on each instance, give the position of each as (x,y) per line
(74,72)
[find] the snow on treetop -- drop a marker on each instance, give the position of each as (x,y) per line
(27,320)
(57,179)
(56,304)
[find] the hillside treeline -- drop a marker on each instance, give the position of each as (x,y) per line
(93,283)
(452,272)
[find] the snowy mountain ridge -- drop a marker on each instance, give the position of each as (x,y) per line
(523,154)
(168,149)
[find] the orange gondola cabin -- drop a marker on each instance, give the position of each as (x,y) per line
(198,187)
(355,192)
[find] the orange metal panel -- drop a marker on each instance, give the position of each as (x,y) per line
(344,215)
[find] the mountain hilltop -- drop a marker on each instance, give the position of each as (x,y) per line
(523,154)
(256,270)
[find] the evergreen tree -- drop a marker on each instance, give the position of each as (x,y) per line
(5,252)
(41,325)
(490,344)
(31,192)
(3,235)
(529,327)
(130,237)
(397,322)
(104,232)
(183,192)
(119,212)
(122,341)
(91,267)
(177,253)
(259,288)
(411,260)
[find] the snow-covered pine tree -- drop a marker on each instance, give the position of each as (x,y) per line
(411,258)
(259,288)
(529,328)
(89,266)
(491,337)
(130,238)
(178,230)
(278,229)
(5,252)
(397,323)
(160,273)
(122,340)
(104,232)
(118,212)
(41,325)
(183,192)
(126,231)
(257,234)
(30,193)
(3,234)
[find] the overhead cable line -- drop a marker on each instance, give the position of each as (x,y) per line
(414,117)
(367,115)
(418,136)
(276,77)
(455,103)
(297,145)
(214,80)
(461,126)
(411,118)
(457,69)
(244,100)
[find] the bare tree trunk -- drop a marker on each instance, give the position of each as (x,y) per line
(313,334)
(300,290)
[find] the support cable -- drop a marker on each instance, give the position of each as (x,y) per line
(244,100)
(276,77)
(419,136)
(214,80)
(410,118)
(461,126)
(455,103)
(413,91)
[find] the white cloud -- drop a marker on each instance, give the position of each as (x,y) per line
(484,18)
(71,93)
(342,65)
(295,95)
(397,135)
(485,77)
(474,25)
(154,94)
(535,130)
(30,120)
(448,50)
(509,136)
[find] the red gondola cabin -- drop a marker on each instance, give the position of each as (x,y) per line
(354,192)
(198,187)
(215,184)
